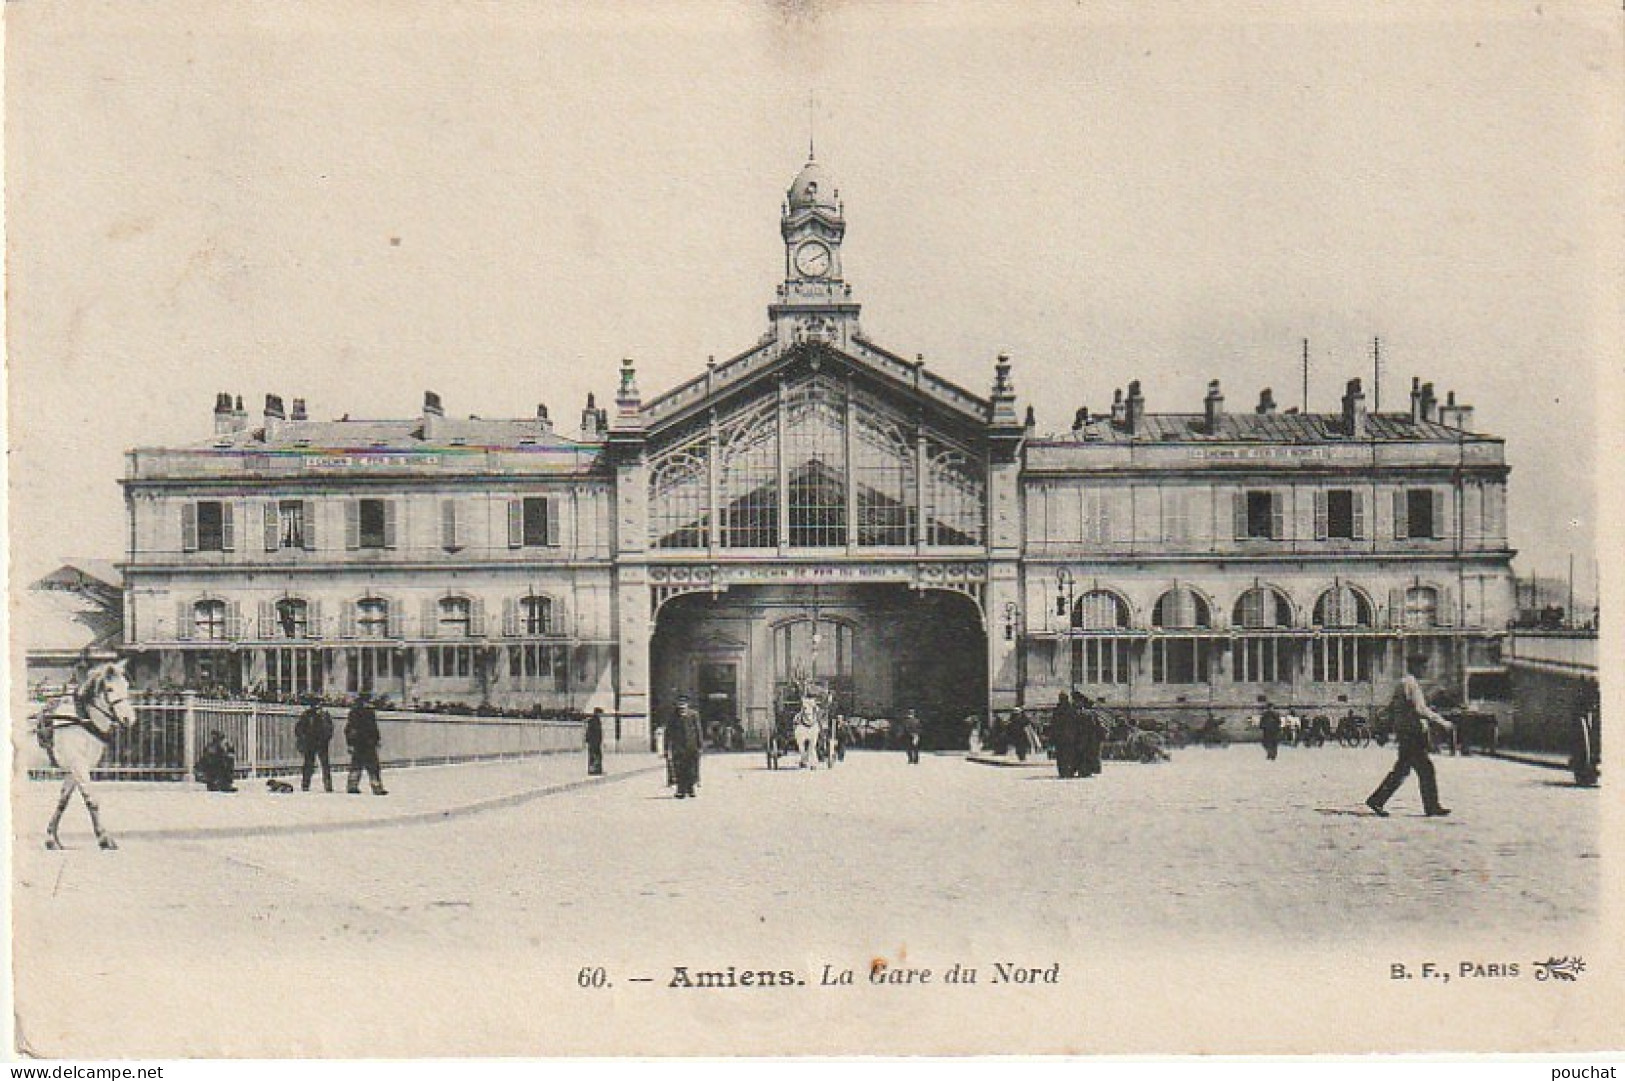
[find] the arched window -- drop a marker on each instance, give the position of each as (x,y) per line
(1421,607)
(815,464)
(1262,608)
(808,649)
(209,620)
(679,498)
(1100,658)
(372,618)
(1341,606)
(1100,610)
(536,615)
(1177,659)
(883,479)
(292,618)
(455,618)
(1181,608)
(748,479)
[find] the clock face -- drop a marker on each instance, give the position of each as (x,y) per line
(813,259)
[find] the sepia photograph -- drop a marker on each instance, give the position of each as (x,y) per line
(810,528)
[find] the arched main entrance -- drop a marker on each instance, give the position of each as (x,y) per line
(881,648)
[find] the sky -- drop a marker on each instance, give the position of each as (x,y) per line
(354,203)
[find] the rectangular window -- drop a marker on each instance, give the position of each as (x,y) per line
(1100,661)
(540,666)
(533,522)
(1179,660)
(450,662)
(290,517)
(1176,515)
(1420,513)
(1260,515)
(1097,524)
(371,518)
(1261,660)
(372,670)
(1342,659)
(293,671)
(1340,514)
(212,526)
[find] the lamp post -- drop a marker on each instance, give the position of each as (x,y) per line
(1065,591)
(1012,615)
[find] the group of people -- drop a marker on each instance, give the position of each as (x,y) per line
(1078,732)
(312,735)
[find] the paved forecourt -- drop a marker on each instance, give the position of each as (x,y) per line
(782,868)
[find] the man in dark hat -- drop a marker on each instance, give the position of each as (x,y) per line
(595,743)
(312,733)
(1269,725)
(683,741)
(1413,714)
(361,733)
(1066,731)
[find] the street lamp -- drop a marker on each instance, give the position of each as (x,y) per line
(1065,584)
(1011,614)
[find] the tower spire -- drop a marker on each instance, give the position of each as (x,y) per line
(811,153)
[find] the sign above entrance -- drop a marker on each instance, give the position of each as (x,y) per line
(721,576)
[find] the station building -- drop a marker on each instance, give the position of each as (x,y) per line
(819,506)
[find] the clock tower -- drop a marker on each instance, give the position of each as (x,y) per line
(814,303)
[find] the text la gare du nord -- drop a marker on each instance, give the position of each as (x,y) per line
(880,973)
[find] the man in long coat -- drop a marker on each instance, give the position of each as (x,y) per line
(361,732)
(312,733)
(683,741)
(595,743)
(1066,733)
(1093,735)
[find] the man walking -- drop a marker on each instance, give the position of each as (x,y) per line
(1092,734)
(1270,725)
(361,733)
(683,740)
(595,743)
(311,734)
(911,736)
(1411,733)
(1065,731)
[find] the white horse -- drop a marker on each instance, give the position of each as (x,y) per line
(81,726)
(809,723)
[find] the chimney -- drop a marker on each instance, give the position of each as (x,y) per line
(1134,408)
(541,415)
(1428,403)
(224,423)
(1118,408)
(1354,414)
(434,415)
(1030,421)
(299,410)
(239,415)
(593,419)
(1266,402)
(1416,399)
(1080,419)
(274,416)
(1213,408)
(1456,416)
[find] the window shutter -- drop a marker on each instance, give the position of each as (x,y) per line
(1238,505)
(234,621)
(266,624)
(1322,516)
(313,621)
(228,529)
(430,627)
(391,512)
(1277,515)
(476,618)
(272,521)
(393,625)
(188,527)
(1440,495)
(448,523)
(551,508)
(352,524)
(183,621)
(347,620)
(1447,606)
(1359,515)
(510,617)
(1402,528)
(310,525)
(516,523)
(1396,608)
